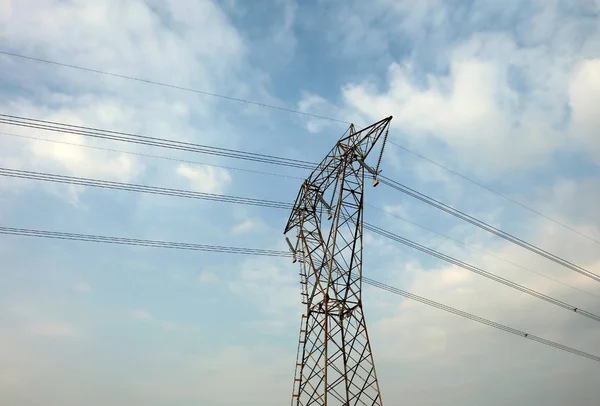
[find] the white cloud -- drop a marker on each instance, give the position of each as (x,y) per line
(54,329)
(82,287)
(269,286)
(584,92)
(252,368)
(398,210)
(431,343)
(60,158)
(21,363)
(140,315)
(451,284)
(184,43)
(8,378)
(413,344)
(312,103)
(205,179)
(247,226)
(207,277)
(77,161)
(562,202)
(485,92)
(137,33)
(474,103)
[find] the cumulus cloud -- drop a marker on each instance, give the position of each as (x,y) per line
(207,277)
(473,109)
(485,92)
(252,367)
(63,156)
(205,179)
(54,329)
(415,343)
(247,226)
(261,275)
(584,99)
(455,285)
(144,41)
(140,315)
(82,287)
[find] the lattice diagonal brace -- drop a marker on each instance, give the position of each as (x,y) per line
(335,364)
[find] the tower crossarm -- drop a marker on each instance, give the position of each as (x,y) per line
(353,146)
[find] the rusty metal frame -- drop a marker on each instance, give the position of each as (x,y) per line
(335,363)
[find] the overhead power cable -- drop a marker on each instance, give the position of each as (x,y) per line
(296,177)
(187,89)
(485,252)
(487,227)
(151,141)
(129,187)
(478,319)
(270,159)
(479,271)
(152,156)
(139,242)
(299,178)
(152,82)
(489,189)
(276,253)
(278,205)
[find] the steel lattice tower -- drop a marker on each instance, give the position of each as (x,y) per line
(334,364)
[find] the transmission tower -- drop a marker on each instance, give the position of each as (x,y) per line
(334,363)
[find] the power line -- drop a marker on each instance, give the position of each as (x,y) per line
(139,242)
(305,114)
(299,178)
(479,271)
(277,205)
(152,156)
(274,160)
(478,319)
(276,253)
(532,210)
(485,252)
(151,141)
(481,185)
(293,177)
(481,224)
(129,187)
(187,89)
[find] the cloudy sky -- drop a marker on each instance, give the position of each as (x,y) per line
(503,92)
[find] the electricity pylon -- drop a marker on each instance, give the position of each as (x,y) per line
(334,364)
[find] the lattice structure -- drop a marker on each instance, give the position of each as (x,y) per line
(335,364)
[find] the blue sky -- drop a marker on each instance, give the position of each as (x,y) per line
(506,93)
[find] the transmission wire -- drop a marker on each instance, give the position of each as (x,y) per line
(489,189)
(152,141)
(141,188)
(479,271)
(147,81)
(139,242)
(279,205)
(276,253)
(187,89)
(270,159)
(487,227)
(152,156)
(478,319)
(483,251)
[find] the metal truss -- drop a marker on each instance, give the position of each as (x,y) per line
(335,364)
